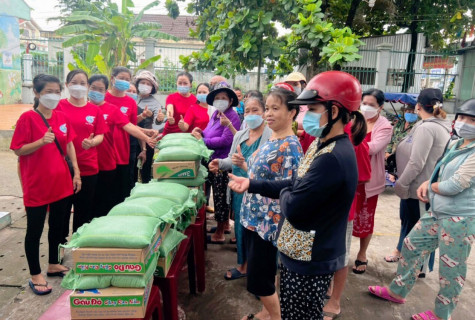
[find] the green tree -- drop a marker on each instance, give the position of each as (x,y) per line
(108,35)
(69,6)
(240,36)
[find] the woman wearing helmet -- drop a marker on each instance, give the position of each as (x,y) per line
(449,225)
(316,203)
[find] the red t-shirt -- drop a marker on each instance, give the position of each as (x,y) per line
(128,107)
(364,166)
(106,150)
(44,173)
(85,121)
(180,104)
(305,141)
(196,116)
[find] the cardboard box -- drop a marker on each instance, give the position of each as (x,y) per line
(164,263)
(110,303)
(122,261)
(175,169)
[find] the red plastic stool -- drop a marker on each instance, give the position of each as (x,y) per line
(198,229)
(169,284)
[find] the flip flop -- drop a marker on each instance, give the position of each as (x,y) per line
(235,274)
(213,230)
(359,263)
(60,274)
(36,291)
(211,241)
(331,315)
(233,241)
(392,258)
(426,315)
(383,293)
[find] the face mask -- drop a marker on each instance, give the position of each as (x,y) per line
(96,97)
(183,89)
(144,89)
(297,90)
(77,91)
(50,100)
(311,123)
(132,95)
(121,85)
(465,130)
(253,121)
(221,105)
(410,117)
(202,97)
(368,111)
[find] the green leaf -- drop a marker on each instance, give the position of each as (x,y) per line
(155,34)
(78,40)
(149,61)
(92,51)
(72,29)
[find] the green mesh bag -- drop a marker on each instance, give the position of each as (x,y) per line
(172,240)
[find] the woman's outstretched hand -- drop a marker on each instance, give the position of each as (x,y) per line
(238,184)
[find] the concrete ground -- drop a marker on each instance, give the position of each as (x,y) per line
(222,299)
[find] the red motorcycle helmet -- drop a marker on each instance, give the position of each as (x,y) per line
(339,87)
(284,86)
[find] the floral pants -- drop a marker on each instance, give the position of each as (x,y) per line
(454,237)
(301,296)
(219,183)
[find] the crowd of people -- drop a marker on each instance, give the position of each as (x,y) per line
(298,170)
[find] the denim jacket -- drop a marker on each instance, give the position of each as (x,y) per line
(455,173)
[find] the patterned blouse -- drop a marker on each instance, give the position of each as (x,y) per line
(276,160)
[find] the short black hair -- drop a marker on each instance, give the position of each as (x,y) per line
(99,77)
(186,74)
(254,93)
(285,96)
(115,72)
(376,93)
(75,72)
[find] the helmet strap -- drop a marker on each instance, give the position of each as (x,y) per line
(331,121)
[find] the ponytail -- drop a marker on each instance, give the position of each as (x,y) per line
(358,128)
(36,104)
(438,111)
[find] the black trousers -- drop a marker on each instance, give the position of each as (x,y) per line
(35,217)
(104,196)
(219,183)
(122,182)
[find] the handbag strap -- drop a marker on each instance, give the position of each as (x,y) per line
(48,126)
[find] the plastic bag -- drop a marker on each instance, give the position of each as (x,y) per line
(184,153)
(161,208)
(178,136)
(134,232)
(172,240)
(196,182)
(162,144)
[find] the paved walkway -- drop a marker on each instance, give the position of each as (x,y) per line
(223,299)
(10,114)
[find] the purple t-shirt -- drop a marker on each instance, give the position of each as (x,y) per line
(219,138)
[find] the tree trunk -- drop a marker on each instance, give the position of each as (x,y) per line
(352,13)
(409,72)
(259,66)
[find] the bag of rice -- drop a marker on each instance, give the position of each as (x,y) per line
(191,152)
(133,232)
(172,240)
(164,209)
(196,182)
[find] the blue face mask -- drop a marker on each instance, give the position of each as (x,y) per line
(96,96)
(253,121)
(410,117)
(202,97)
(311,123)
(183,89)
(132,95)
(121,85)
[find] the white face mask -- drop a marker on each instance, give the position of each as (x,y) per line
(221,105)
(298,90)
(50,100)
(144,89)
(368,111)
(77,91)
(465,130)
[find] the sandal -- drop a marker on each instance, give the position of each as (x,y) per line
(392,258)
(357,264)
(235,274)
(213,230)
(383,293)
(36,291)
(58,273)
(426,315)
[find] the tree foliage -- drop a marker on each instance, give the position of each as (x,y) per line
(241,35)
(109,35)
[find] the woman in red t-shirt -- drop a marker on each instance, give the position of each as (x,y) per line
(104,198)
(45,176)
(120,83)
(197,115)
(88,123)
(179,102)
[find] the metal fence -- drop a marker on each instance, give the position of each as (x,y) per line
(46,57)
